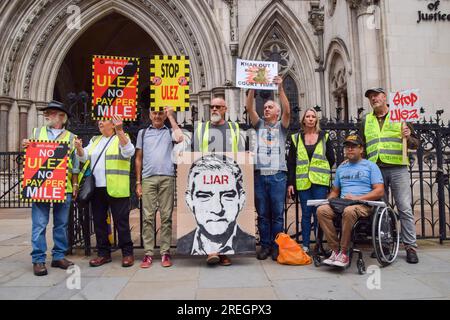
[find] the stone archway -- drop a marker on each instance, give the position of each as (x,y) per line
(277,25)
(36,51)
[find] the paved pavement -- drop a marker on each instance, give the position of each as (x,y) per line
(190,278)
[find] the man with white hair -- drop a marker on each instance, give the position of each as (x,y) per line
(218,135)
(56,117)
(270,167)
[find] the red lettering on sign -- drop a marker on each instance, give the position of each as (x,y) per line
(169,92)
(215,179)
(408,100)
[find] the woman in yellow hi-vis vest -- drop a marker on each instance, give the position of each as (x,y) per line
(109,156)
(310,160)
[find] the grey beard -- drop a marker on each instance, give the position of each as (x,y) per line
(215,118)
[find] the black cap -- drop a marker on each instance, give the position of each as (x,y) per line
(56,105)
(353,139)
(377,90)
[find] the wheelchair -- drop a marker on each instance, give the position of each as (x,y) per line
(381,229)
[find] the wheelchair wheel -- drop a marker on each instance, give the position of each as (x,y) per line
(385,235)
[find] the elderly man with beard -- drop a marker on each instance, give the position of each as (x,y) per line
(270,167)
(56,117)
(384,147)
(218,135)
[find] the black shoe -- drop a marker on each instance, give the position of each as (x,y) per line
(263,254)
(411,255)
(39,269)
(274,254)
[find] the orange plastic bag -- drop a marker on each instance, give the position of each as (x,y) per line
(290,252)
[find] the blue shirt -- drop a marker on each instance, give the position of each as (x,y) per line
(357,178)
(157,152)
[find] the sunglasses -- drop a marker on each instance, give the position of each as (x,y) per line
(216,107)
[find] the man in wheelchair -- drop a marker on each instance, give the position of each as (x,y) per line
(355,179)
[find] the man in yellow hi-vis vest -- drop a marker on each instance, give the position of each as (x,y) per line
(56,117)
(383,140)
(217,135)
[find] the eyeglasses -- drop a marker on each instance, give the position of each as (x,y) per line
(216,107)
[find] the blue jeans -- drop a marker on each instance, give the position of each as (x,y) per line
(39,216)
(270,194)
(314,192)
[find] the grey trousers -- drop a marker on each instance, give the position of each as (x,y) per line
(397,178)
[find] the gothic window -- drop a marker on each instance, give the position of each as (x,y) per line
(338,89)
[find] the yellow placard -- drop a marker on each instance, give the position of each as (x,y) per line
(169,78)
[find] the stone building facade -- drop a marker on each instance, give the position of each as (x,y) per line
(329,51)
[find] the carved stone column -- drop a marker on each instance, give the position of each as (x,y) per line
(5,105)
(40,114)
(24,106)
(316,18)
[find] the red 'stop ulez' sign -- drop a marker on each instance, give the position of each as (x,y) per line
(404,106)
(114,87)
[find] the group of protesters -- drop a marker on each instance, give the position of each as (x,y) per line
(374,167)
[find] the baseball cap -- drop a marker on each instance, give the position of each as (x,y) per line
(377,90)
(353,139)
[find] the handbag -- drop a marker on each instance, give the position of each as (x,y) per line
(87,185)
(339,204)
(290,252)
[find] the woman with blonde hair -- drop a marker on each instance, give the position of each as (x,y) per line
(310,160)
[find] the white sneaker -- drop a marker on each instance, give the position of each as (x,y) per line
(331,259)
(342,260)
(306,249)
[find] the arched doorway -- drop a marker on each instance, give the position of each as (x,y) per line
(113,35)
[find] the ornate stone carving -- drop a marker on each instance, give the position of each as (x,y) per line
(20,36)
(361,5)
(38,47)
(316,17)
(152,10)
(276,49)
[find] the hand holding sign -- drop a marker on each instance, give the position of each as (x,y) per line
(25,143)
(278,81)
(406,132)
(118,123)
(169,112)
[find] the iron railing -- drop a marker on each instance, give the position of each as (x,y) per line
(429,180)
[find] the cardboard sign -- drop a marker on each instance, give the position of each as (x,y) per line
(169,78)
(404,106)
(215,207)
(256,74)
(45,171)
(115,83)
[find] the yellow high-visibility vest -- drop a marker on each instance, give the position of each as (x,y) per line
(385,144)
(317,170)
(117,169)
(203,140)
(41,134)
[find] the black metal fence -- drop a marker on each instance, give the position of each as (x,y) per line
(429,180)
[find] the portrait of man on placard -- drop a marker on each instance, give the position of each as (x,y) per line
(215,196)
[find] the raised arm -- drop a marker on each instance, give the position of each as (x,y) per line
(284,102)
(250,107)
